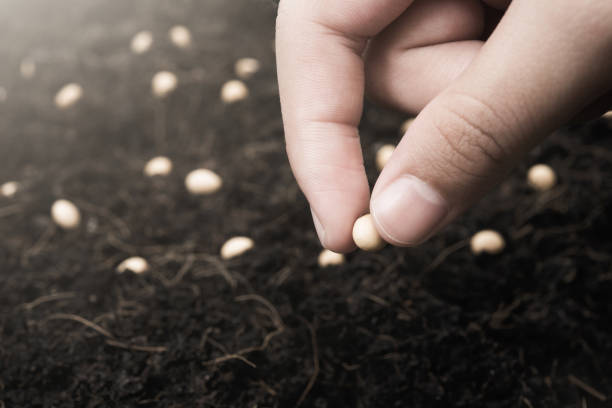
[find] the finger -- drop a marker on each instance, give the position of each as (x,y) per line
(539,68)
(321,81)
(423,51)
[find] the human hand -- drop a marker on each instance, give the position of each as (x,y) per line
(482,104)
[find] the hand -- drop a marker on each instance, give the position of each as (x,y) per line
(482,104)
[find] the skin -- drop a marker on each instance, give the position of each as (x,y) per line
(488,79)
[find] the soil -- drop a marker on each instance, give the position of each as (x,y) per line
(433,326)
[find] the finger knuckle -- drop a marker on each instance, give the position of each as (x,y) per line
(474,134)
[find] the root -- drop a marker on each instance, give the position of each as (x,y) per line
(48,298)
(315,360)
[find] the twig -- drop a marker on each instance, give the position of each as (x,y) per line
(48,298)
(527,402)
(315,360)
(229,357)
(83,321)
(586,388)
(180,274)
(149,349)
(276,318)
(446,252)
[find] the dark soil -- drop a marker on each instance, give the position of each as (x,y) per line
(432,326)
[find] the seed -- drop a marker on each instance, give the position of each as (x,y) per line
(9,189)
(608,116)
(203,181)
(246,67)
(405,125)
(65,214)
(27,68)
(68,95)
(365,234)
(489,241)
(135,264)
(330,258)
(158,166)
(541,177)
(383,155)
(234,91)
(163,83)
(236,246)
(141,42)
(180,36)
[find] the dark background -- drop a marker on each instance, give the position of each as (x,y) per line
(432,326)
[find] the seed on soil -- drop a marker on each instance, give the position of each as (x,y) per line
(234,91)
(488,241)
(65,214)
(203,181)
(236,246)
(134,264)
(158,166)
(163,83)
(246,67)
(68,95)
(541,177)
(608,115)
(9,189)
(405,125)
(383,155)
(180,36)
(141,42)
(365,234)
(27,69)
(330,258)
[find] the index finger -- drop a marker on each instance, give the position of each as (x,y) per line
(319,44)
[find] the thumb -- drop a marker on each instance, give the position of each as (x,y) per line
(542,65)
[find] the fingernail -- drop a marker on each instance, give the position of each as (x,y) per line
(318,227)
(408,210)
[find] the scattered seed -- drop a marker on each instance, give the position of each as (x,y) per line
(68,95)
(489,241)
(383,155)
(9,189)
(163,83)
(541,177)
(203,181)
(180,36)
(158,166)
(27,69)
(236,246)
(405,125)
(608,115)
(141,42)
(134,264)
(330,258)
(246,67)
(365,234)
(234,91)
(65,214)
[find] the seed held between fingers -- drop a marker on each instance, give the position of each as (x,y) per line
(330,258)
(383,154)
(365,234)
